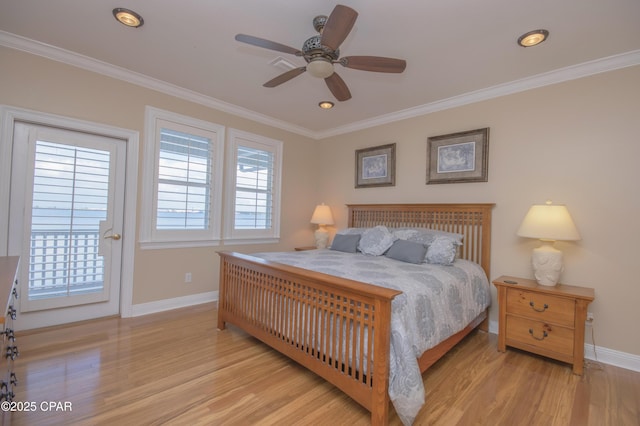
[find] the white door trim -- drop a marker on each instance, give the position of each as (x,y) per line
(9,115)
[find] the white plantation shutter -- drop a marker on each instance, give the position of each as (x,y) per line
(70,196)
(254,189)
(254,166)
(184,179)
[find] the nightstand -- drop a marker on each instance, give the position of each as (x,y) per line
(305,248)
(546,320)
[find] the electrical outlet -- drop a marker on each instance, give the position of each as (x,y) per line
(187,277)
(589,318)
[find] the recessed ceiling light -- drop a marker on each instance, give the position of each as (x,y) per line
(533,38)
(326,104)
(128,17)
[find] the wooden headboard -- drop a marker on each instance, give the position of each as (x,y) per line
(471,220)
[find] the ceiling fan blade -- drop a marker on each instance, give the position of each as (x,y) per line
(267,44)
(338,87)
(338,26)
(374,63)
(283,78)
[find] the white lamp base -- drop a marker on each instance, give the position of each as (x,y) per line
(547,264)
(322,237)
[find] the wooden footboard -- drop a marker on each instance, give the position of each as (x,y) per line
(335,327)
(339,328)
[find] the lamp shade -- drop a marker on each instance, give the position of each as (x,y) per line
(549,222)
(322,215)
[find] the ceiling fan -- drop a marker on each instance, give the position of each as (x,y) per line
(321,52)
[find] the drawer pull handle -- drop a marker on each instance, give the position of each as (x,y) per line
(544,335)
(533,306)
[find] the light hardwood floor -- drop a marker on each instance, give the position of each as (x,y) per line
(177,368)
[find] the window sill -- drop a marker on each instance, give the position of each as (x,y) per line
(158,245)
(242,241)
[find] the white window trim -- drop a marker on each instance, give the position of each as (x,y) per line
(251,236)
(151,238)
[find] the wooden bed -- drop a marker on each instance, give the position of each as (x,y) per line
(287,307)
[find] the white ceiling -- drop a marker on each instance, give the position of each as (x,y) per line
(457,51)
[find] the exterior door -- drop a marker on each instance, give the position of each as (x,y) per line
(66,221)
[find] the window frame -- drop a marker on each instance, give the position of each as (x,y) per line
(150,237)
(231,235)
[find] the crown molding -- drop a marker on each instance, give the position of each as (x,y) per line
(90,64)
(573,72)
(560,75)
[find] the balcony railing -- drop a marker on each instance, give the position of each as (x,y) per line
(64,263)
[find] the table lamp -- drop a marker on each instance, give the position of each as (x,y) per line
(322,216)
(548,223)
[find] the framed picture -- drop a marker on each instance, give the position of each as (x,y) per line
(458,157)
(376,166)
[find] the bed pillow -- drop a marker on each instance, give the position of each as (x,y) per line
(405,233)
(347,243)
(424,235)
(442,250)
(351,231)
(375,241)
(407,251)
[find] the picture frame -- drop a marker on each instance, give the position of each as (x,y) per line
(376,166)
(458,157)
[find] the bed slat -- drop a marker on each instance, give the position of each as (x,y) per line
(326,323)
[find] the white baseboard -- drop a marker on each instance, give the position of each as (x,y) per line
(604,355)
(609,356)
(175,303)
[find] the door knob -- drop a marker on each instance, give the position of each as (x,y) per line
(113,237)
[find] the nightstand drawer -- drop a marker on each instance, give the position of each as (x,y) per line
(541,307)
(540,337)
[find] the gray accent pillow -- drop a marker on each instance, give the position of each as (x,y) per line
(345,243)
(442,250)
(375,241)
(407,251)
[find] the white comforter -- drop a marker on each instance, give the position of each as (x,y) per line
(436,302)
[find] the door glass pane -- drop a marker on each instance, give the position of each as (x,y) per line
(70,199)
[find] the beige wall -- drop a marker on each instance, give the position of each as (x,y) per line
(576,143)
(32,82)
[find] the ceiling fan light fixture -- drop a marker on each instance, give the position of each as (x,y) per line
(320,67)
(533,38)
(128,17)
(326,104)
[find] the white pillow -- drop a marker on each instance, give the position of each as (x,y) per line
(442,251)
(375,241)
(424,235)
(352,231)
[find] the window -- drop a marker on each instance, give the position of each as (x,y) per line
(254,165)
(182,181)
